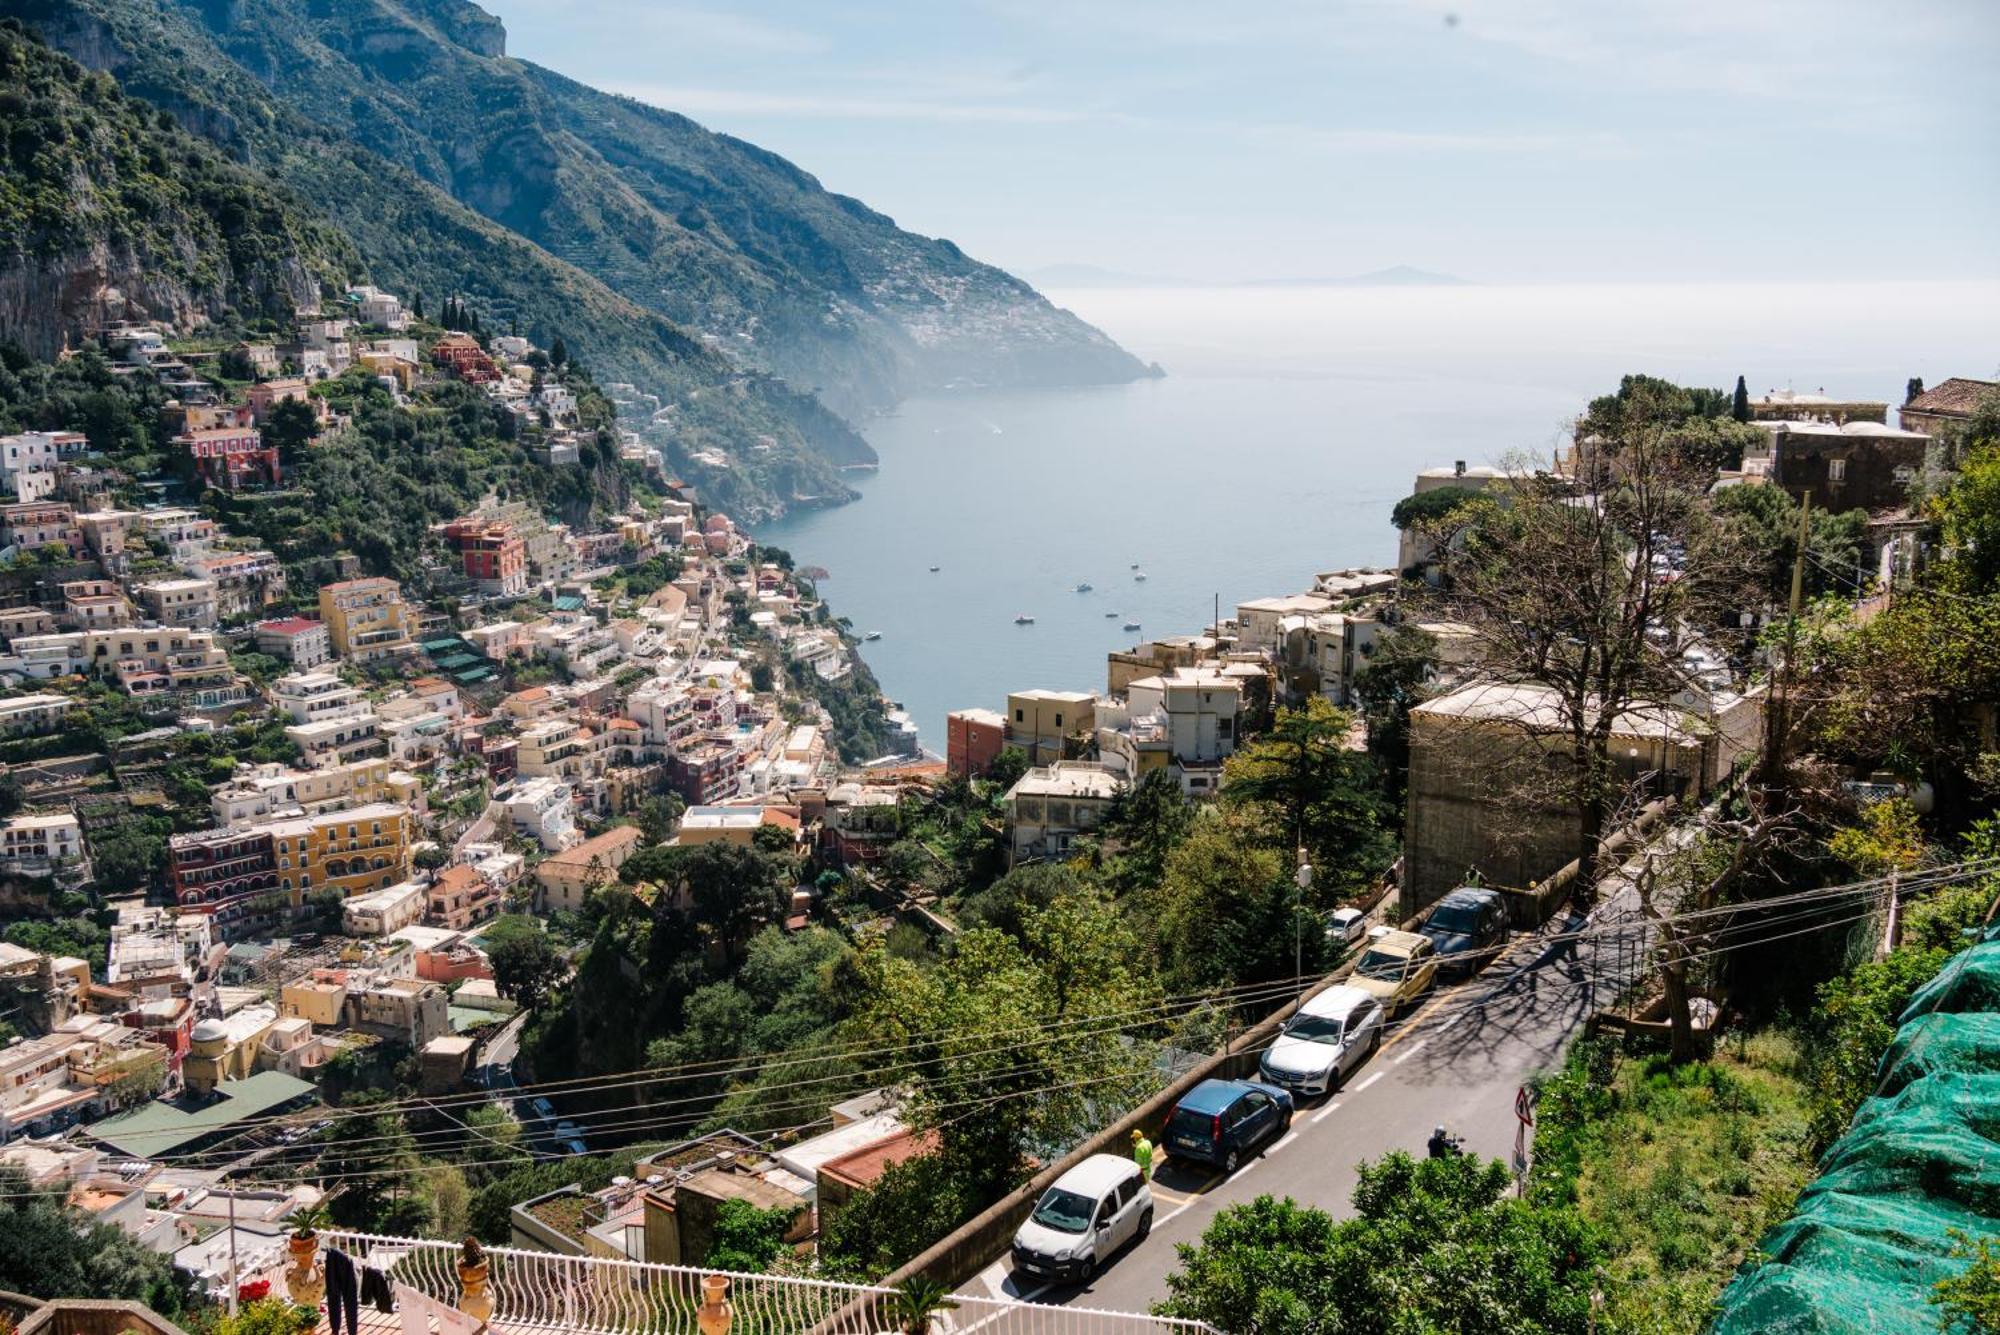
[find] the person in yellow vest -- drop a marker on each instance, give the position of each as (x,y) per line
(1142,1154)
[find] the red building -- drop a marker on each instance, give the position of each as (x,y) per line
(973,739)
(211,867)
(495,557)
(463,357)
(231,457)
(705,773)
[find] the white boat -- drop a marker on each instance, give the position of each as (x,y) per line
(1024,620)
(872,635)
(1139,575)
(1083,588)
(1135,565)
(1131,625)
(1110,614)
(934,570)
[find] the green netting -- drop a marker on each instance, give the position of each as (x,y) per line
(1971,982)
(1871,1235)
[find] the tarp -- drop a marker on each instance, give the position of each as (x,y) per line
(1871,1236)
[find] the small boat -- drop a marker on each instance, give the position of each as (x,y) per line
(934,570)
(1110,614)
(1131,625)
(872,635)
(1135,565)
(1083,588)
(1024,620)
(1139,575)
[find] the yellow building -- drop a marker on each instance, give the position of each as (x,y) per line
(1039,722)
(367,619)
(315,998)
(353,851)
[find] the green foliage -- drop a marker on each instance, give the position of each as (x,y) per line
(1430,507)
(1224,910)
(1851,1028)
(1888,839)
(527,966)
(265,1316)
(917,1301)
(911,1205)
(746,1238)
(1971,1300)
(1315,794)
(1396,679)
(1146,823)
(1837,548)
(80,937)
(1436,1247)
(86,166)
(370,1153)
(48,1250)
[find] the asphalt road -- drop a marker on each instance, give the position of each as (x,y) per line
(1458,1059)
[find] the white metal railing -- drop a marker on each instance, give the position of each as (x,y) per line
(544,1291)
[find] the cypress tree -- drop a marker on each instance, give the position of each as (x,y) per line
(1739,406)
(558,351)
(1914,388)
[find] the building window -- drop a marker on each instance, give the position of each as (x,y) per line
(1836,470)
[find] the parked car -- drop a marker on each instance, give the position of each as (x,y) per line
(1466,927)
(1220,1121)
(1330,1035)
(1346,926)
(1397,968)
(1083,1219)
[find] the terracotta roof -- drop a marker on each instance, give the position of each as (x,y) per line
(1957,396)
(289,625)
(581,854)
(860,1168)
(459,876)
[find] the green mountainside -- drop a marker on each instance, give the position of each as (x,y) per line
(408,235)
(108,208)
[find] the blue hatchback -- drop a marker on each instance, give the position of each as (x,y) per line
(1220,1121)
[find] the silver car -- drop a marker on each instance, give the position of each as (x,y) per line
(1330,1035)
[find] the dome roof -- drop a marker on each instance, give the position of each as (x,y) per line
(208,1031)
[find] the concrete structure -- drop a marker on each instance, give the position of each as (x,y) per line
(1052,805)
(231,457)
(33,715)
(493,555)
(180,602)
(44,846)
(461,897)
(1853,465)
(300,641)
(542,810)
(1185,720)
(1414,548)
(1489,790)
(380,912)
(1946,407)
(1043,722)
(32,525)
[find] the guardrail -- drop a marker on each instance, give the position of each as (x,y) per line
(545,1291)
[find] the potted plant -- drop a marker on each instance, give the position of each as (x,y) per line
(915,1301)
(473,1299)
(306,1281)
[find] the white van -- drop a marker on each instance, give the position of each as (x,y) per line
(1080,1222)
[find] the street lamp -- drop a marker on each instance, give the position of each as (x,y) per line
(1303,878)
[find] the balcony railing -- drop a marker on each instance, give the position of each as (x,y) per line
(535,1291)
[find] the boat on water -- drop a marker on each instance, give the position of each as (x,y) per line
(934,570)
(1110,614)
(1131,625)
(1139,575)
(1024,620)
(1083,588)
(872,635)
(1135,565)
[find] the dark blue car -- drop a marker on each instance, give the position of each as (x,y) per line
(1221,1121)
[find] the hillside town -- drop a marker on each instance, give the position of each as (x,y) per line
(276,832)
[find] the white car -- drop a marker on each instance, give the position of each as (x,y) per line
(1330,1035)
(1346,926)
(1081,1221)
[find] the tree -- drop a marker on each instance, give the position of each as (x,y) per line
(730,890)
(1913,388)
(1224,910)
(1595,600)
(290,429)
(48,1250)
(1321,793)
(1837,549)
(527,967)
(1971,1298)
(1146,822)
(1436,1246)
(1396,679)
(370,1155)
(1739,402)
(747,1239)
(658,817)
(1429,507)
(558,351)
(910,1206)
(1007,767)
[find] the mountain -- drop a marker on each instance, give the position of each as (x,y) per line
(108,209)
(719,236)
(1060,276)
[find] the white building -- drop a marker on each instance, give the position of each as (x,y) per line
(180,602)
(308,697)
(156,943)
(381,912)
(1048,807)
(43,846)
(33,715)
(541,809)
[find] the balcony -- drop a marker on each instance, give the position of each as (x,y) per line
(541,1293)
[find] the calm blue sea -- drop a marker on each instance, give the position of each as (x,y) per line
(1289,423)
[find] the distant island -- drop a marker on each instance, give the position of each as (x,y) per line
(1091,275)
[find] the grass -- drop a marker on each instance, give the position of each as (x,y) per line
(1684,1168)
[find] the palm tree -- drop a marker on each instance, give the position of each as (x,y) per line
(916,1300)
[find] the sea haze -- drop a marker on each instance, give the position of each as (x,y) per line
(1289,422)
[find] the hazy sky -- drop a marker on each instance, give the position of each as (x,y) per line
(1498,139)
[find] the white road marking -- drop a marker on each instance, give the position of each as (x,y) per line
(1369,1081)
(1174,1213)
(1411,1051)
(1452,1021)
(1324,1113)
(993,1277)
(1289,1138)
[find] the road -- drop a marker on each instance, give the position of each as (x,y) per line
(1459,1059)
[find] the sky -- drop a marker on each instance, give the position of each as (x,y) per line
(1223,140)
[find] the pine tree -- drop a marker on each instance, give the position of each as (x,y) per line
(417,305)
(1914,388)
(558,351)
(1739,406)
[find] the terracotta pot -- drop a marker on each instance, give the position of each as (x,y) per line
(715,1313)
(305,1281)
(473,1299)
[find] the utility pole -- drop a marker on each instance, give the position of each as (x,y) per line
(1303,879)
(1777,711)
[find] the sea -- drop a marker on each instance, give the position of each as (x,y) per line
(1288,423)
